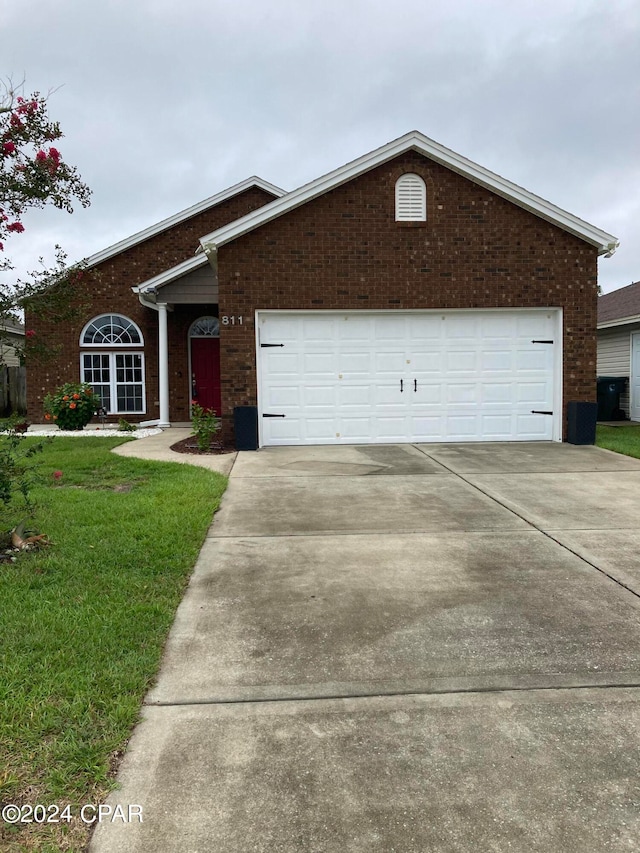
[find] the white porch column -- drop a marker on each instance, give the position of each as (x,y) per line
(163,364)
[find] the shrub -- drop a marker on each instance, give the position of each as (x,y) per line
(17,470)
(204,425)
(71,406)
(125,426)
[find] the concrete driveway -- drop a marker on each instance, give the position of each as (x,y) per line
(401,648)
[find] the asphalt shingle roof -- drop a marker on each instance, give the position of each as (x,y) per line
(624,302)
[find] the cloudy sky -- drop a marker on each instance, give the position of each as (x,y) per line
(166,102)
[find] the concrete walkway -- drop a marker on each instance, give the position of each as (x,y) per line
(159,447)
(401,648)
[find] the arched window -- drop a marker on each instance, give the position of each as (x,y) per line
(411,199)
(205,327)
(111,330)
(117,377)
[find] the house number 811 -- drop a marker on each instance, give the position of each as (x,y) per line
(231,321)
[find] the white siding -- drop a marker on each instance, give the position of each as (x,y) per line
(8,356)
(614,355)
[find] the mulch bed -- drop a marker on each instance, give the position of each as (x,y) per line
(190,445)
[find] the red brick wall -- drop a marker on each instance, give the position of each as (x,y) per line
(345,251)
(111,291)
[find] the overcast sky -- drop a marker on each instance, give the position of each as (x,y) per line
(166,102)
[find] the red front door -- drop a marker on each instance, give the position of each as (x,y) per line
(205,373)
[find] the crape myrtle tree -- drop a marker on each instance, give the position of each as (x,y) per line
(33,174)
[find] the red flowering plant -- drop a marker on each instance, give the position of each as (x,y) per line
(33,174)
(72,406)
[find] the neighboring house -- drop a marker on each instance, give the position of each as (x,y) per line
(11,343)
(619,342)
(408,296)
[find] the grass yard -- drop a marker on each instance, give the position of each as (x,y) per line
(83,623)
(621,439)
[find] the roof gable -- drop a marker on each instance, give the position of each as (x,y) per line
(182,216)
(416,141)
(619,306)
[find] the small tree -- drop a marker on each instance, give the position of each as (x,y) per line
(33,174)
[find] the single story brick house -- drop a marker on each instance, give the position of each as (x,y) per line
(619,342)
(408,296)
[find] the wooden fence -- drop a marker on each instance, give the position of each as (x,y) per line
(13,390)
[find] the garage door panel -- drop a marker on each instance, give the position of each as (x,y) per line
(390,362)
(284,395)
(319,396)
(427,427)
(282,329)
(428,393)
(282,364)
(465,377)
(424,329)
(538,325)
(389,328)
(497,427)
(534,427)
(351,395)
(427,363)
(498,360)
(459,392)
(538,360)
(315,329)
(461,361)
(319,364)
(352,363)
(462,427)
(320,429)
(534,393)
(352,329)
(499,393)
(355,429)
(461,327)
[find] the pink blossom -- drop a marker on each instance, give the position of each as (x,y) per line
(30,333)
(57,475)
(54,154)
(8,147)
(16,227)
(41,156)
(1,247)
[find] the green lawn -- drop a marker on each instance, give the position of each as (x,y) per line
(83,623)
(622,439)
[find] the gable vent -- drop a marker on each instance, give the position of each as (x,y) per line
(411,199)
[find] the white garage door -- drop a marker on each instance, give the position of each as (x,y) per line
(346,378)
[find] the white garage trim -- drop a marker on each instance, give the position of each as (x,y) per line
(409,376)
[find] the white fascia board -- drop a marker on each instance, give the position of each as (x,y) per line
(167,276)
(416,141)
(622,321)
(141,236)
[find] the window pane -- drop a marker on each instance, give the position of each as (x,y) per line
(130,398)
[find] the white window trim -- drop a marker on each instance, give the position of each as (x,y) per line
(111,345)
(113,384)
(422,202)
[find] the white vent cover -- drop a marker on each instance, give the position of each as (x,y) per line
(411,199)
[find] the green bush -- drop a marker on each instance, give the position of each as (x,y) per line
(71,406)
(204,425)
(125,426)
